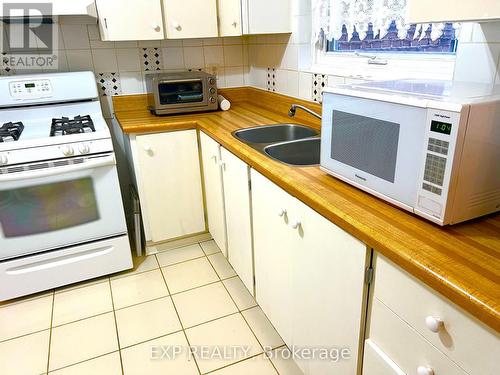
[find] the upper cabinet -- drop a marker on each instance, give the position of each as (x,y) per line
(422,11)
(190,18)
(229,17)
(130,19)
(266,17)
(174,19)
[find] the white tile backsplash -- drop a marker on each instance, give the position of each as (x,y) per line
(233,55)
(477,62)
(214,55)
(173,58)
(194,58)
(79,60)
(75,36)
(128,60)
(105,60)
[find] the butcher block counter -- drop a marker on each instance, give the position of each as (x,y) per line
(462,262)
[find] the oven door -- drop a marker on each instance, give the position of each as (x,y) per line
(181,93)
(50,205)
(374,145)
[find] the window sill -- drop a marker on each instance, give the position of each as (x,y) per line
(399,66)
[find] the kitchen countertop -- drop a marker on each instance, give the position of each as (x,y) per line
(462,262)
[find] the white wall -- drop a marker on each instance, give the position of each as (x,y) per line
(478,55)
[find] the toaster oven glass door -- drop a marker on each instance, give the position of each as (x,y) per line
(181,92)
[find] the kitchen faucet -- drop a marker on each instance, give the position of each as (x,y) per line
(294,107)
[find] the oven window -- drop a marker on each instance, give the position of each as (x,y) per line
(45,208)
(180,92)
(365,143)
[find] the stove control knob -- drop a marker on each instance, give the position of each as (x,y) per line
(68,151)
(3,159)
(84,148)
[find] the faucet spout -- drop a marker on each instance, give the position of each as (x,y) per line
(294,107)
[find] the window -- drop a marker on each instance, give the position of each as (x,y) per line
(414,42)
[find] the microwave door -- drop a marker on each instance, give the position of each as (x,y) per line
(374,145)
(182,93)
(55,207)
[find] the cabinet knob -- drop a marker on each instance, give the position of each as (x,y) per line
(177,26)
(156,27)
(296,224)
(424,370)
(434,323)
(282,212)
(234,24)
(214,158)
(223,165)
(148,148)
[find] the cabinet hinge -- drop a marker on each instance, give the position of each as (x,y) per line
(369,275)
(250,185)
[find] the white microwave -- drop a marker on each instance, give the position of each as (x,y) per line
(430,147)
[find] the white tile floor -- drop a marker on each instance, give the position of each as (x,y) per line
(187,298)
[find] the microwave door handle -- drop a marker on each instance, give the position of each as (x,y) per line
(98,162)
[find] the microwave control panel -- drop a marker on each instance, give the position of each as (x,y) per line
(35,89)
(440,139)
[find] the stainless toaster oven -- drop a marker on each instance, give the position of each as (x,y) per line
(181,92)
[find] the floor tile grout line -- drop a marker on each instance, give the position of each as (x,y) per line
(235,363)
(150,339)
(85,360)
(24,335)
(84,318)
(50,332)
(180,321)
(116,325)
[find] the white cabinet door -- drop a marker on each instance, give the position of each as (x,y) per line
(169,181)
(328,286)
(214,198)
(376,362)
(273,248)
(229,17)
(423,11)
(130,19)
(190,18)
(266,17)
(236,177)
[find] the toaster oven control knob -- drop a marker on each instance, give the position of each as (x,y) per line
(212,100)
(84,148)
(212,90)
(211,81)
(68,151)
(3,159)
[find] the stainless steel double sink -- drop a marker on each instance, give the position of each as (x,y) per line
(292,144)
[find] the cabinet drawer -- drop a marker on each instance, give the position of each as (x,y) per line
(472,345)
(376,362)
(406,347)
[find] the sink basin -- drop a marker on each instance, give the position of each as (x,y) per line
(274,133)
(303,152)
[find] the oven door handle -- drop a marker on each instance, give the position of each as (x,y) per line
(55,171)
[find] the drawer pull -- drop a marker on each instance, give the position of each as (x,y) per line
(424,370)
(434,323)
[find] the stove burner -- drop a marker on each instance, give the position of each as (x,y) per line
(66,126)
(11,131)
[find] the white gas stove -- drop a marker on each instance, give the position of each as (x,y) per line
(61,213)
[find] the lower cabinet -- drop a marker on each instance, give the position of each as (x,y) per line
(310,279)
(422,332)
(168,176)
(227,196)
(214,192)
(236,180)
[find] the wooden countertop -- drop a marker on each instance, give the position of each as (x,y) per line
(462,262)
